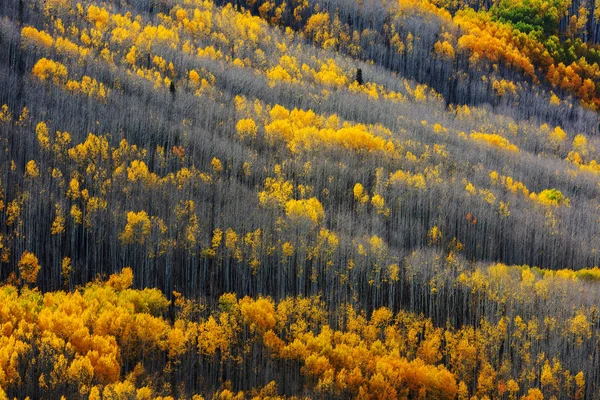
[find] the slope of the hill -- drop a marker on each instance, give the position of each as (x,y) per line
(216,151)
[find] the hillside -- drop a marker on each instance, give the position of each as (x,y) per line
(299,199)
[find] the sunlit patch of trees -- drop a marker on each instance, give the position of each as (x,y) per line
(106,340)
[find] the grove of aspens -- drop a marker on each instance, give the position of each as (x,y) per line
(300,199)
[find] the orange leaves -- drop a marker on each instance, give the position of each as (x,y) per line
(29,267)
(353,363)
(494,41)
(211,338)
(258,314)
(122,280)
(108,327)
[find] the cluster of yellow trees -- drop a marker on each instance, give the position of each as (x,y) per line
(301,130)
(106,340)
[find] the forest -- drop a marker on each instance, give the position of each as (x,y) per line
(297,199)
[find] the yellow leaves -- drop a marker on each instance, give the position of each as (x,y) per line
(31,169)
(65,46)
(287,249)
(420,93)
(278,112)
(277,192)
(439,129)
(98,16)
(315,365)
(434,235)
(93,149)
(278,74)
(318,28)
(46,69)
(13,211)
(65,270)
(552,197)
(470,188)
(138,172)
(11,349)
(58,225)
(494,140)
(74,191)
(29,267)
(81,371)
(310,209)
(5,114)
(231,239)
(215,243)
(580,144)
(210,52)
(580,384)
(194,77)
(246,128)
(259,314)
(121,281)
(445,49)
(580,327)
(527,278)
(503,209)
(217,238)
(43,135)
(132,56)
(88,86)
(360,194)
(76,214)
(330,74)
(393,272)
(376,245)
(378,202)
(503,86)
(37,38)
(509,183)
(137,228)
(557,136)
(185,210)
(533,394)
(216,165)
(177,341)
(406,177)
(485,38)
